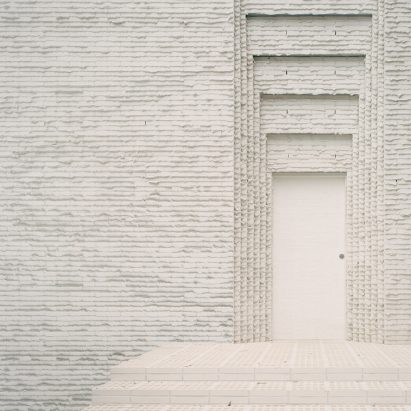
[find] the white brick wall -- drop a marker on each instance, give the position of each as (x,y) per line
(116,189)
(116,205)
(397,162)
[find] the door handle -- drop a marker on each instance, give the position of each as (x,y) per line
(341,256)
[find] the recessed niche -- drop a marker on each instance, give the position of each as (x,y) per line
(308,34)
(293,113)
(309,152)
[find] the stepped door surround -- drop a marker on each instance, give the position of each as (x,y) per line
(307,101)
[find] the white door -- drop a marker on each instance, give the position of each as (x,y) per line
(308,263)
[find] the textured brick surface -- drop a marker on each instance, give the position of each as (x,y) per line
(116,190)
(306,40)
(117,199)
(309,152)
(397,159)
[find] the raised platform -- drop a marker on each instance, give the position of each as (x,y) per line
(314,374)
(139,407)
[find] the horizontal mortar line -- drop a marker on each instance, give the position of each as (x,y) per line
(338,96)
(319,15)
(359,61)
(328,55)
(304,134)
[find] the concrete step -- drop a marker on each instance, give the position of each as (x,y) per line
(254,392)
(279,376)
(279,361)
(129,372)
(189,407)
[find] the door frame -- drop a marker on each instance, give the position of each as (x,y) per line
(347,223)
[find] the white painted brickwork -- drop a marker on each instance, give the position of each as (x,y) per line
(116,191)
(316,36)
(134,179)
(307,35)
(305,114)
(397,161)
(310,75)
(307,152)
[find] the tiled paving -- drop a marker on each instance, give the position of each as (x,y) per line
(304,375)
